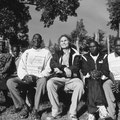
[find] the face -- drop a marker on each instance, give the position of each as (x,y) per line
(93,48)
(64,42)
(36,41)
(117,47)
(84,42)
(15,51)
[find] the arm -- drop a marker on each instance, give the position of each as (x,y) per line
(84,68)
(105,68)
(7,64)
(22,71)
(54,63)
(46,71)
(77,64)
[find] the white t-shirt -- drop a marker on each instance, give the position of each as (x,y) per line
(114,65)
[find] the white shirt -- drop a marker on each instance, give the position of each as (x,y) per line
(114,65)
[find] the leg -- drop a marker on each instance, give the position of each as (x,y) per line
(12,85)
(53,85)
(110,98)
(77,86)
(40,90)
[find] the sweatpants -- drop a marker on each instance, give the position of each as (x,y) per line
(74,84)
(109,97)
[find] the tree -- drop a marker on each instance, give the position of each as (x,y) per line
(114,14)
(101,35)
(13,20)
(80,32)
(51,9)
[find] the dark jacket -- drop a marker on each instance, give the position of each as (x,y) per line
(6,68)
(101,64)
(74,63)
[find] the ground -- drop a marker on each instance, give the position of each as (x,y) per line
(45,108)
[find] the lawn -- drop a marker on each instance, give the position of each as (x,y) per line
(45,109)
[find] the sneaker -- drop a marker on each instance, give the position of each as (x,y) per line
(53,117)
(103,113)
(91,117)
(35,115)
(15,110)
(24,112)
(73,117)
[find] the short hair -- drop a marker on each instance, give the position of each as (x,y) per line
(39,37)
(93,41)
(115,41)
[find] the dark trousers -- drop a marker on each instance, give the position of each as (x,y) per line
(95,95)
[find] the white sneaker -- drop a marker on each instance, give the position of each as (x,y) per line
(103,113)
(73,117)
(91,117)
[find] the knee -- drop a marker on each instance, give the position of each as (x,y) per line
(107,84)
(49,83)
(79,85)
(10,83)
(41,82)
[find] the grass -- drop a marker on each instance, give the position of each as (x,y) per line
(45,109)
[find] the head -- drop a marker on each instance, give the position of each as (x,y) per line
(117,46)
(94,48)
(2,46)
(15,51)
(64,42)
(36,41)
(84,42)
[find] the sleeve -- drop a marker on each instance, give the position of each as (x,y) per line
(84,68)
(76,64)
(8,63)
(46,71)
(54,63)
(22,70)
(105,67)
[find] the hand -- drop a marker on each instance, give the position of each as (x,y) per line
(103,77)
(115,86)
(95,74)
(57,70)
(28,79)
(68,72)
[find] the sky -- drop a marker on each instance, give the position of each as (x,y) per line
(93,12)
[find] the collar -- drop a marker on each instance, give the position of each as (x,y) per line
(94,56)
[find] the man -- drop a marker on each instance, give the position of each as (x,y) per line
(114,66)
(6,65)
(32,71)
(65,66)
(95,69)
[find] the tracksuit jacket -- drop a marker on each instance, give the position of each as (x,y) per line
(74,63)
(95,91)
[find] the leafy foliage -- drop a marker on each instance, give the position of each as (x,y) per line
(80,32)
(101,34)
(114,13)
(13,19)
(51,9)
